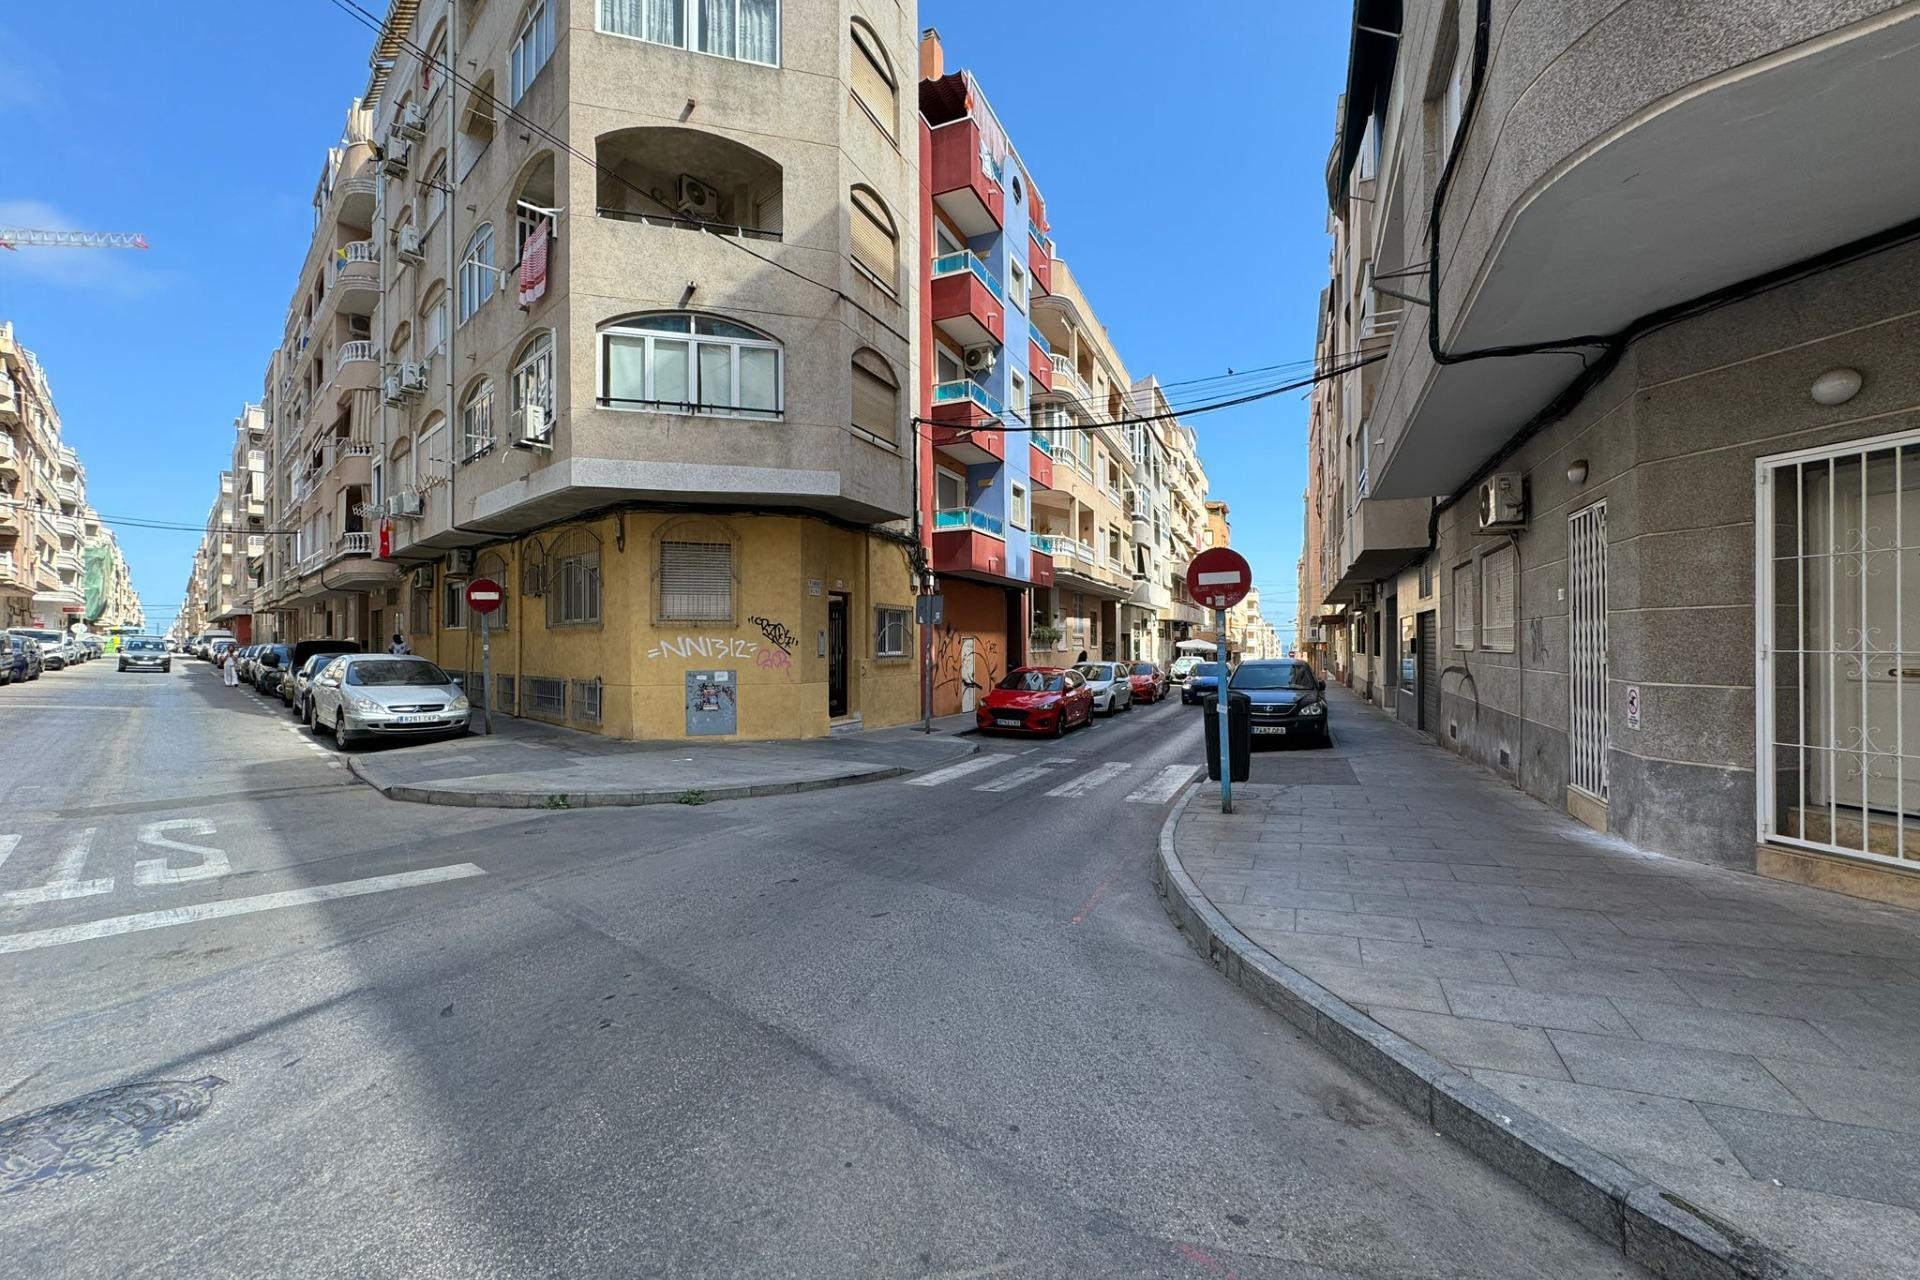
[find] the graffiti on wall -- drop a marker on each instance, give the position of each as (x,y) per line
(965,666)
(778,656)
(704,647)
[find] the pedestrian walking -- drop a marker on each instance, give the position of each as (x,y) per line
(399,645)
(229,670)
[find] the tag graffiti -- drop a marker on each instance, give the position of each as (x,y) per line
(704,647)
(776,633)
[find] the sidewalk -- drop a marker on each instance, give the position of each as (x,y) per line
(1720,1073)
(529,765)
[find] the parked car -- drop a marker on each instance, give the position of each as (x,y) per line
(144,653)
(208,639)
(1037,700)
(24,654)
(1202,682)
(53,653)
(296,688)
(11,661)
(1183,667)
(249,654)
(360,695)
(1112,690)
(270,663)
(1149,682)
(1289,700)
(94,646)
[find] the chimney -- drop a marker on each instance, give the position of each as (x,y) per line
(933,59)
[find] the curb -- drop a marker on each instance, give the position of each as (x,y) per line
(1646,1222)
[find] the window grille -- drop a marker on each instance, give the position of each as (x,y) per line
(1498,622)
(1463,601)
(890,633)
(546,696)
(586,700)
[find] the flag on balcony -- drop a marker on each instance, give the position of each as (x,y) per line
(533,265)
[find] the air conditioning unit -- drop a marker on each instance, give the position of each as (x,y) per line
(980,359)
(697,199)
(390,389)
(408,242)
(396,157)
(1503,502)
(531,428)
(411,122)
(413,379)
(406,503)
(460,562)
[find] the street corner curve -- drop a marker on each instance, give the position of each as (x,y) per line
(1647,1223)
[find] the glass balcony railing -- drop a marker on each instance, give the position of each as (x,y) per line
(967,518)
(953,264)
(966,389)
(1033,331)
(1052,544)
(1043,442)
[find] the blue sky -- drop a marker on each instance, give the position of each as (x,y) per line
(1182,172)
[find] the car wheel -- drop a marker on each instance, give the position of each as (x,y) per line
(166,668)
(341,738)
(123,666)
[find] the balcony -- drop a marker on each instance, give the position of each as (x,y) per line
(9,455)
(964,183)
(1039,359)
(1040,259)
(972,543)
(356,544)
(966,421)
(68,491)
(66,561)
(1040,566)
(356,272)
(687,180)
(9,571)
(1040,460)
(968,303)
(1064,380)
(1381,538)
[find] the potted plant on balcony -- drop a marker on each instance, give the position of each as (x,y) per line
(1045,636)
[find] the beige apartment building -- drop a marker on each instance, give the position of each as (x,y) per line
(1621,514)
(58,564)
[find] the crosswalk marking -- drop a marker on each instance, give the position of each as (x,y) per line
(1164,785)
(972,764)
(1018,778)
(1090,779)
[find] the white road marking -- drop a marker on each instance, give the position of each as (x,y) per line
(213,862)
(1165,785)
(1018,778)
(115,925)
(972,764)
(1100,773)
(7,845)
(66,882)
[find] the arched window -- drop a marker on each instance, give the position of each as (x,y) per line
(476,421)
(533,386)
(876,246)
(875,86)
(435,187)
(397,343)
(694,572)
(433,67)
(476,272)
(433,456)
(492,564)
(681,363)
(573,580)
(876,397)
(433,321)
(532,47)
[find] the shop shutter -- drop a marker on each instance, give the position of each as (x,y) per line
(696,582)
(1498,571)
(874,246)
(876,400)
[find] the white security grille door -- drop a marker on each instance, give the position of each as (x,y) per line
(1587,648)
(1840,705)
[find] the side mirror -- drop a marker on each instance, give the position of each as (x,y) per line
(1320,685)
(461,681)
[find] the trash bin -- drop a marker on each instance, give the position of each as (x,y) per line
(1239,730)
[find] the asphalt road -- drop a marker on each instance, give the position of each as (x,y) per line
(932,1027)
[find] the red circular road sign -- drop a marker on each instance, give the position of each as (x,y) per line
(1219,578)
(484,595)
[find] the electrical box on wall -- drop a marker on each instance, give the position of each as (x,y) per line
(1503,502)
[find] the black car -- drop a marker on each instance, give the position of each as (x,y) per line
(23,652)
(1202,683)
(1289,701)
(269,665)
(303,652)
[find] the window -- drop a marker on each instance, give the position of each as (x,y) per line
(689,364)
(874,84)
(433,70)
(1017,285)
(533,47)
(1017,504)
(476,272)
(476,422)
(436,202)
(1455,106)
(947,366)
(944,241)
(492,564)
(949,489)
(889,633)
(1017,393)
(573,588)
(1499,571)
(420,611)
(433,326)
(1463,600)
(533,380)
(876,247)
(696,582)
(745,30)
(876,398)
(453,604)
(1426,578)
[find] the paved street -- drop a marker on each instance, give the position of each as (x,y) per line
(932,1026)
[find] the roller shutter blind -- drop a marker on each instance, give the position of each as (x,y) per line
(871,83)
(874,246)
(876,400)
(696,582)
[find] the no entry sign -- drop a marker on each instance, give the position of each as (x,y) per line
(483,595)
(1219,578)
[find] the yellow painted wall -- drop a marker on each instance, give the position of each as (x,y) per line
(772,644)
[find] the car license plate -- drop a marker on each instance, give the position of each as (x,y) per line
(1269,728)
(414,719)
(1007,720)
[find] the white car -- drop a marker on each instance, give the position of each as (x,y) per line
(378,695)
(1112,690)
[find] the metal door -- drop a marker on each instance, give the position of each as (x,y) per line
(1587,647)
(1429,674)
(836,656)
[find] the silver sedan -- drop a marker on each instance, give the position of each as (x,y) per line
(1112,691)
(377,695)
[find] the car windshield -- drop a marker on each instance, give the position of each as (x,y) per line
(1097,671)
(1145,669)
(145,646)
(1210,670)
(1032,682)
(390,671)
(1274,675)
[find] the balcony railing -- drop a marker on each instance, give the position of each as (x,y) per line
(966,389)
(1043,442)
(953,264)
(1033,331)
(968,518)
(355,352)
(688,224)
(6,567)
(357,544)
(356,251)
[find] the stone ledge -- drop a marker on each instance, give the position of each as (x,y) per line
(1855,877)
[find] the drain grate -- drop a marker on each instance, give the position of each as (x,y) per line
(97,1131)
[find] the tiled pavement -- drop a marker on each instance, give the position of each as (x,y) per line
(1752,1045)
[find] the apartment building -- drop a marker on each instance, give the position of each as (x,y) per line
(58,564)
(1621,514)
(224,591)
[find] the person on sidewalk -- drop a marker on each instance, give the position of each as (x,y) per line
(399,645)
(229,670)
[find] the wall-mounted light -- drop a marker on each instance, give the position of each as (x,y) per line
(1577,471)
(1837,386)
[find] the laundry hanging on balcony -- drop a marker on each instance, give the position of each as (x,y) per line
(533,264)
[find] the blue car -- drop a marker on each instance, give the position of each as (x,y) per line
(1202,682)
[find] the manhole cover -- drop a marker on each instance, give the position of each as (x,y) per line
(97,1131)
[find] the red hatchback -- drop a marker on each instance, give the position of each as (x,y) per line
(1037,700)
(1148,680)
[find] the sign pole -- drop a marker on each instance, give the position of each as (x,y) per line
(1226,741)
(486,675)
